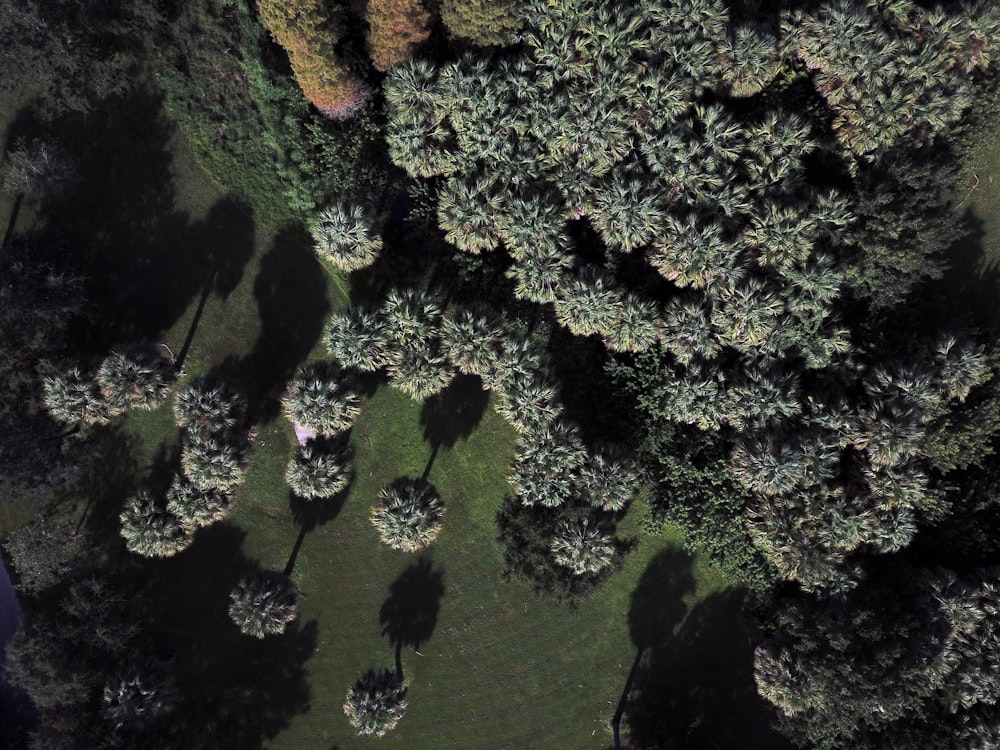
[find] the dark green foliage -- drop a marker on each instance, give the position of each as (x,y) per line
(38,169)
(45,552)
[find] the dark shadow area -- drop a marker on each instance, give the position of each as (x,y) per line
(695,690)
(290,290)
(145,260)
(973,281)
(111,474)
(237,691)
(452,414)
(657,607)
(409,615)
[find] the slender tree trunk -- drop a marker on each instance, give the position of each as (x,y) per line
(616,722)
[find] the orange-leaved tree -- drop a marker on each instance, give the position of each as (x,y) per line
(308,31)
(395,28)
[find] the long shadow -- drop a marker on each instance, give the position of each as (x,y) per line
(237,691)
(657,607)
(290,290)
(408,617)
(973,280)
(452,414)
(696,689)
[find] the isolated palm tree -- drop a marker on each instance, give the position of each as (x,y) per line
(136,377)
(583,546)
(319,469)
(320,399)
(216,462)
(209,406)
(346,236)
(73,397)
(196,507)
(356,339)
(376,702)
(264,603)
(150,530)
(408,513)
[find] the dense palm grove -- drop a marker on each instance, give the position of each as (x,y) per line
(690,246)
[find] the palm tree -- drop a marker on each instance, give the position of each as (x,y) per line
(216,462)
(137,695)
(356,339)
(209,406)
(420,372)
(688,331)
(752,61)
(376,702)
(961,367)
(521,356)
(407,515)
(608,478)
(629,210)
(346,236)
(588,303)
(320,399)
(319,469)
(196,507)
(468,212)
(637,328)
(264,603)
(547,463)
(539,269)
(583,547)
(529,403)
(150,530)
(136,377)
(768,463)
(73,397)
(410,317)
(471,338)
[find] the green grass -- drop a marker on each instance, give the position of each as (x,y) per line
(502,667)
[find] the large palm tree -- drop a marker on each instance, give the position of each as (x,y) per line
(411,317)
(407,515)
(216,462)
(583,546)
(196,507)
(529,403)
(422,371)
(376,702)
(471,338)
(150,530)
(264,603)
(547,463)
(136,377)
(346,235)
(588,303)
(73,397)
(209,406)
(320,399)
(319,469)
(355,338)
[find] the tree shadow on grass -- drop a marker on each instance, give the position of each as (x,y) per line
(408,617)
(290,290)
(973,281)
(696,689)
(238,691)
(453,414)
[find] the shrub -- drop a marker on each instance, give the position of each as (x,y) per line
(395,28)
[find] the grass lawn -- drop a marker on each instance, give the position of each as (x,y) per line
(489,663)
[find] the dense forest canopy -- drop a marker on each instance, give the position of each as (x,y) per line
(691,248)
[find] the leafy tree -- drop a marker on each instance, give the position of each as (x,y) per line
(73,397)
(264,603)
(346,236)
(319,469)
(195,507)
(136,377)
(395,29)
(320,399)
(38,169)
(408,514)
(583,547)
(375,702)
(308,30)
(150,530)
(45,552)
(209,406)
(482,22)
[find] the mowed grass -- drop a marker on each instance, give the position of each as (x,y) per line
(496,666)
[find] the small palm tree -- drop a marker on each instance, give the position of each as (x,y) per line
(150,530)
(583,547)
(217,462)
(136,377)
(73,397)
(209,406)
(608,478)
(319,469)
(355,339)
(263,603)
(346,236)
(196,507)
(320,399)
(407,515)
(376,702)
